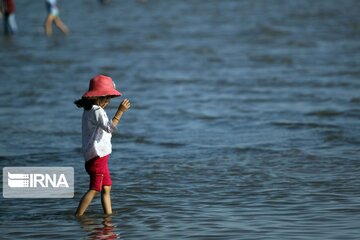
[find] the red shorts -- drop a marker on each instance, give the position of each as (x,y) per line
(98,169)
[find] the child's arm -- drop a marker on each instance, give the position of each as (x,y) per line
(123,107)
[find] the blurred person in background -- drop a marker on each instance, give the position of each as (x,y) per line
(8,11)
(53,16)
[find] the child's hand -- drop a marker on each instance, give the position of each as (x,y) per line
(124,105)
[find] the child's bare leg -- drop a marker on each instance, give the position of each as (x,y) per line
(85,202)
(105,199)
(48,25)
(61,25)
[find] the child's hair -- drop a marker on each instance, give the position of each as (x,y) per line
(86,103)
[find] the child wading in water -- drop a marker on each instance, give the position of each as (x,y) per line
(53,16)
(96,138)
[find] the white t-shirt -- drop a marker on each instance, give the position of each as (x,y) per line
(52,8)
(96,133)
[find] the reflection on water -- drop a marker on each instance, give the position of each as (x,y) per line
(97,227)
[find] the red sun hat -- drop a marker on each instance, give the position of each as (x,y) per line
(101,86)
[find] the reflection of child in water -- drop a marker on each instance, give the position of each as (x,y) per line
(96,231)
(53,16)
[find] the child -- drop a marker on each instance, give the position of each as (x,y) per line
(96,138)
(8,9)
(53,16)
